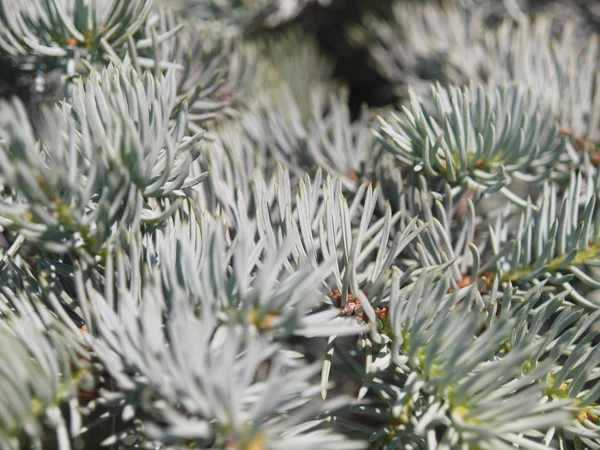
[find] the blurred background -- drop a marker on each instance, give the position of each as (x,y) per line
(358,36)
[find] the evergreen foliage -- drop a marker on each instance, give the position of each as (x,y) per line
(203,245)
